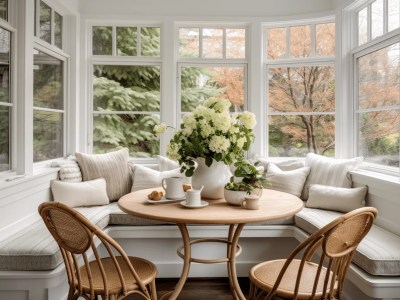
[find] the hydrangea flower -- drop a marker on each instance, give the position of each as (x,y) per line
(210,132)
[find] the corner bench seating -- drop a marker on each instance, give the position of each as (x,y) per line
(34,249)
(31,253)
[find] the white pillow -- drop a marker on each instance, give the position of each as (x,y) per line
(334,198)
(284,165)
(85,193)
(166,164)
(286,181)
(146,178)
(69,170)
(329,171)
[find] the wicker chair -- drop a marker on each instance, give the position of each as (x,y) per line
(112,277)
(327,251)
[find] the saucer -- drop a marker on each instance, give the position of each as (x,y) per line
(203,204)
(164,200)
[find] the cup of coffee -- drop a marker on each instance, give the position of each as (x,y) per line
(251,202)
(173,187)
(193,197)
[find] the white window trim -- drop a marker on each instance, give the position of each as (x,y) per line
(357,51)
(114,55)
(312,60)
(48,50)
(210,25)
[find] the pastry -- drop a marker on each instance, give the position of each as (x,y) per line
(154,195)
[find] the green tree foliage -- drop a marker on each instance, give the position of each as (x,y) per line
(118,88)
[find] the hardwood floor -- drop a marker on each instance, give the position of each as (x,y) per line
(201,288)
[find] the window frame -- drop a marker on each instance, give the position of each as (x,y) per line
(370,41)
(12,104)
(373,46)
(120,60)
(211,62)
(211,25)
(65,63)
(36,31)
(287,60)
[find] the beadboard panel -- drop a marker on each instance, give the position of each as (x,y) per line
(19,201)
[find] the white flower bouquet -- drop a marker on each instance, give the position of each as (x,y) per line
(211,132)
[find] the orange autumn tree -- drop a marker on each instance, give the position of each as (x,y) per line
(301,99)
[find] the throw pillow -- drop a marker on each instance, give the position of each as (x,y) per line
(286,181)
(334,198)
(284,165)
(69,170)
(113,167)
(146,178)
(85,193)
(329,171)
(166,164)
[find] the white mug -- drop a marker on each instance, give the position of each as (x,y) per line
(193,197)
(251,202)
(173,187)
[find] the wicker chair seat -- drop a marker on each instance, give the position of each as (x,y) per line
(265,275)
(146,270)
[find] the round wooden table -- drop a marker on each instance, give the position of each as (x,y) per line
(273,205)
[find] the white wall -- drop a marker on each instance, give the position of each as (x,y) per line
(240,8)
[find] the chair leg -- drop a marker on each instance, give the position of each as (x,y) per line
(252,291)
(70,293)
(153,290)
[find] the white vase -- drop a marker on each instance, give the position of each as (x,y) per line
(213,178)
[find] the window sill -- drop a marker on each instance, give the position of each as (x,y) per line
(377,177)
(11,179)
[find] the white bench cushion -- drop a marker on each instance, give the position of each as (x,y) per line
(35,249)
(377,254)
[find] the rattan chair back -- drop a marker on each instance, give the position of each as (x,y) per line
(112,276)
(326,255)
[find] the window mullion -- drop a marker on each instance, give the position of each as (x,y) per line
(114,41)
(369,22)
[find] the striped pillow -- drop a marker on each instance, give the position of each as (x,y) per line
(329,171)
(113,167)
(291,182)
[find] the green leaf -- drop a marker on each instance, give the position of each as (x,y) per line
(189,172)
(218,156)
(208,161)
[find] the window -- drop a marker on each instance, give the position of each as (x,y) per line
(212,63)
(377,84)
(377,19)
(301,89)
(379,105)
(128,41)
(6,104)
(4,10)
(126,94)
(49,25)
(48,103)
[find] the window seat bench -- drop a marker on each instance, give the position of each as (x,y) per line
(32,258)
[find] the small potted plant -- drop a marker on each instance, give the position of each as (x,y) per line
(246,180)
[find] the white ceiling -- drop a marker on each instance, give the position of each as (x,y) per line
(239,8)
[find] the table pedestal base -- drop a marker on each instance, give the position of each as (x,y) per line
(233,249)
